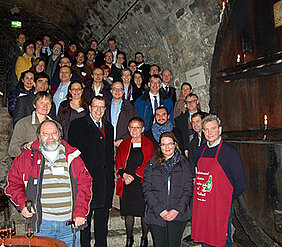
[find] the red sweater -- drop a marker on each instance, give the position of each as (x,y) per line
(122,156)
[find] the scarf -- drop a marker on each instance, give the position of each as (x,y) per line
(170,163)
(157,129)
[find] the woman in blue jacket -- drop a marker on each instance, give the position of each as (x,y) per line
(167,188)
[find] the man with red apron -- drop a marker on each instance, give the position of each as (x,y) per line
(220,178)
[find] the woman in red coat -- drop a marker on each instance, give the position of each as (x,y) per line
(131,159)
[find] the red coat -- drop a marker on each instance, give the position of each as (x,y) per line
(25,171)
(122,156)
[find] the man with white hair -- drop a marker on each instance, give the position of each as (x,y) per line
(53,177)
(220,179)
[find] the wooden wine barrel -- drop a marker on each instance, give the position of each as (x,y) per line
(20,241)
(245,90)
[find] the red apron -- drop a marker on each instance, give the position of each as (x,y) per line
(211,202)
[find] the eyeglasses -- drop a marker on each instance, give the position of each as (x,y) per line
(76,89)
(117,89)
(191,101)
(167,145)
(132,127)
(109,56)
(96,107)
(30,47)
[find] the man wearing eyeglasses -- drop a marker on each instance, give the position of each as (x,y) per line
(52,62)
(46,51)
(94,137)
(97,87)
(119,112)
(184,121)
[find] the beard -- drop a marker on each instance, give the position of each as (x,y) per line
(51,146)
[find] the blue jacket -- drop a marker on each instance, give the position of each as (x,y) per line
(145,110)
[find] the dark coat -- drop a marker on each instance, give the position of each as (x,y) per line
(175,131)
(19,91)
(156,193)
(182,123)
(64,114)
(192,150)
(115,73)
(127,112)
(97,152)
(105,92)
(24,108)
(145,70)
(171,93)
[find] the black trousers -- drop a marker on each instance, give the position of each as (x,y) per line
(101,217)
(168,236)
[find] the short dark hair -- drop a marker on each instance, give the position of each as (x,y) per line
(159,69)
(26,44)
(131,61)
(138,53)
(91,50)
(191,95)
(162,107)
(126,69)
(200,114)
(59,45)
(187,84)
(23,75)
(112,39)
(40,95)
(137,119)
(59,127)
(98,97)
(41,75)
(156,77)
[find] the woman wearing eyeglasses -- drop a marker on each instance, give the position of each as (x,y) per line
(167,188)
(132,156)
(73,107)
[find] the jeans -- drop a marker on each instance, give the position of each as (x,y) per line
(228,238)
(58,230)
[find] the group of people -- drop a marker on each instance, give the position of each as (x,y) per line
(85,129)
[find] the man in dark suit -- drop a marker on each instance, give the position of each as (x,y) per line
(169,90)
(113,48)
(142,66)
(93,136)
(183,122)
(24,106)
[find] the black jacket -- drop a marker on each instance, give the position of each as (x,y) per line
(127,112)
(24,108)
(156,195)
(171,93)
(181,123)
(97,152)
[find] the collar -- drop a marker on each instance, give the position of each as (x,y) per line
(80,66)
(152,95)
(139,65)
(215,144)
(95,121)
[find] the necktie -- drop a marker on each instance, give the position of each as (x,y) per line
(166,90)
(98,125)
(155,102)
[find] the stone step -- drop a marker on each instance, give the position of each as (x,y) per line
(117,233)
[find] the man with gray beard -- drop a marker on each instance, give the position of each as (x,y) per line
(53,177)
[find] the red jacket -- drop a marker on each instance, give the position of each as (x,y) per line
(122,156)
(25,181)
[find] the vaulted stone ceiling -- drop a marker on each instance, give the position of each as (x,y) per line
(177,34)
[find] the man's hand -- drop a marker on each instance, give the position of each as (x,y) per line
(171,215)
(79,221)
(27,214)
(127,178)
(117,143)
(28,145)
(186,153)
(164,214)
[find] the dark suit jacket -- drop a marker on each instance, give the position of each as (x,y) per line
(97,152)
(145,69)
(175,131)
(127,112)
(182,124)
(24,108)
(171,93)
(193,147)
